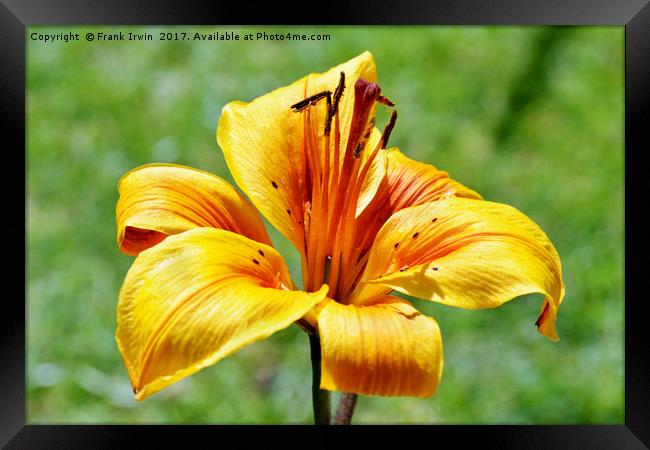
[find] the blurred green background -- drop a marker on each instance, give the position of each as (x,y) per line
(529,116)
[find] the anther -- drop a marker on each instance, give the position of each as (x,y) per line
(388,129)
(329,116)
(312,100)
(385,101)
(333,104)
(338,92)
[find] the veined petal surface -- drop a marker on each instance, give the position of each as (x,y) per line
(411,183)
(404,183)
(197,297)
(383,347)
(465,253)
(157,200)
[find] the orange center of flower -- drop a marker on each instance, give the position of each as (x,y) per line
(336,241)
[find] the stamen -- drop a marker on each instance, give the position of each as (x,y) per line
(334,176)
(328,116)
(333,103)
(338,92)
(385,101)
(388,129)
(302,104)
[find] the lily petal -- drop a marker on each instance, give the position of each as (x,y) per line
(157,200)
(412,183)
(197,297)
(384,347)
(262,142)
(466,253)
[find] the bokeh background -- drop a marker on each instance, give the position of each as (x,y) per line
(529,116)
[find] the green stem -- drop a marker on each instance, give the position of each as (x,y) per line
(320,398)
(345,409)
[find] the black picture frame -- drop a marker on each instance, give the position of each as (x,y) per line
(634,15)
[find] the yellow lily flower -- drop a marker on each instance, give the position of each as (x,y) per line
(366,219)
